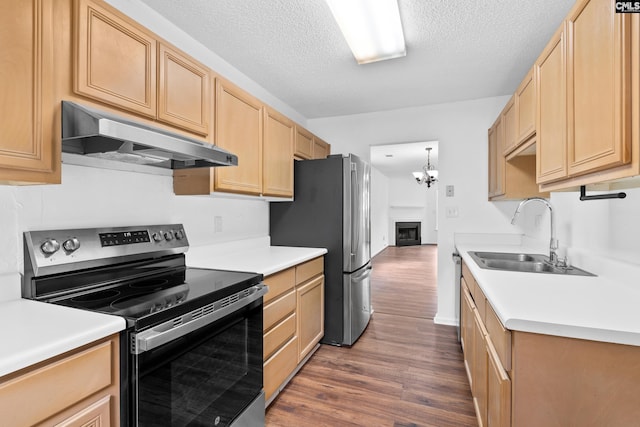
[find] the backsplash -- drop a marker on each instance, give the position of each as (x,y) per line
(90,197)
(604,227)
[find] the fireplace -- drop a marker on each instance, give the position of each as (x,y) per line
(408,234)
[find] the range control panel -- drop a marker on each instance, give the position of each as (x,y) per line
(88,247)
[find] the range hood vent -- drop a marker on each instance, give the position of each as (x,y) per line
(99,134)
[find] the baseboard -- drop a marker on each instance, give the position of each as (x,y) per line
(450,321)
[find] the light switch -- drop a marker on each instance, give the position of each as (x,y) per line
(217,224)
(449,191)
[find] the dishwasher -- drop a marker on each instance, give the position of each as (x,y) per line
(457,273)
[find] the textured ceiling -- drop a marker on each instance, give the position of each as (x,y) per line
(399,160)
(456,50)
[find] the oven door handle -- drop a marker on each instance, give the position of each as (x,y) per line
(160,335)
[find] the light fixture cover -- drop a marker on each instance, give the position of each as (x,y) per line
(372,28)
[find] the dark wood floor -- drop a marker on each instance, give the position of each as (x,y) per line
(403,371)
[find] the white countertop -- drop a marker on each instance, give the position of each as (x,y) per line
(256,258)
(35,331)
(603,308)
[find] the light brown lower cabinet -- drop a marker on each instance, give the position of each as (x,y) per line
(293,321)
(78,388)
(523,379)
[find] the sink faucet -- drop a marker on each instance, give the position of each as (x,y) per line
(553,242)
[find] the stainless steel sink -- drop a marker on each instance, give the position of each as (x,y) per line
(529,263)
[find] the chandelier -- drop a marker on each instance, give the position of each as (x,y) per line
(428,175)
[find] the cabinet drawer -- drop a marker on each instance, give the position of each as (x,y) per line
(481,301)
(279,283)
(280,366)
(500,337)
(278,309)
(468,277)
(278,335)
(309,269)
(73,378)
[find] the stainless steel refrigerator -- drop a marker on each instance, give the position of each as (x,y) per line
(331,209)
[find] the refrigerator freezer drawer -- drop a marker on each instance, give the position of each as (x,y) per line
(357,303)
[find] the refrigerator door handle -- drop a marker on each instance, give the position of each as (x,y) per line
(355,235)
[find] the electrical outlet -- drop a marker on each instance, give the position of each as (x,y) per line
(538,221)
(451,212)
(449,191)
(217,224)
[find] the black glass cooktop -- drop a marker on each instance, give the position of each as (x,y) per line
(153,298)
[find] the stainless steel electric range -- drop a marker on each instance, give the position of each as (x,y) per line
(192,351)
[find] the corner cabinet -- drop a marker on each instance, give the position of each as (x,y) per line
(293,322)
(525,379)
(78,388)
(30,139)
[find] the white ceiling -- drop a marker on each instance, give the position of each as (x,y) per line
(456,50)
(399,160)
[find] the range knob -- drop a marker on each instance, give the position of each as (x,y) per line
(71,244)
(50,246)
(156,236)
(168,235)
(179,234)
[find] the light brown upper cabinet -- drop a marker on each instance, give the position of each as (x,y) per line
(184,91)
(598,83)
(238,127)
(277,163)
(493,158)
(30,137)
(321,149)
(115,59)
(525,109)
(585,97)
(551,122)
(514,176)
(509,122)
(304,143)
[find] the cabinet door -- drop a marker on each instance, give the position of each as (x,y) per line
(96,415)
(492,137)
(184,92)
(525,109)
(115,59)
(466,331)
(238,129)
(304,143)
(30,137)
(509,121)
(479,370)
(551,146)
(277,163)
(498,159)
(320,148)
(498,391)
(598,78)
(310,313)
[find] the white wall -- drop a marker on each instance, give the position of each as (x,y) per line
(608,228)
(90,197)
(409,201)
(379,211)
(461,129)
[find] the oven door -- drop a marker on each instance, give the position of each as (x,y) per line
(206,377)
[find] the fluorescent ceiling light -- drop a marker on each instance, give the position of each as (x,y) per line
(372,28)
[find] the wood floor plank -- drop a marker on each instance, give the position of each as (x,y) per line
(403,371)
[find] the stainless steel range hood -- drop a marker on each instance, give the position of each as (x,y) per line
(95,133)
